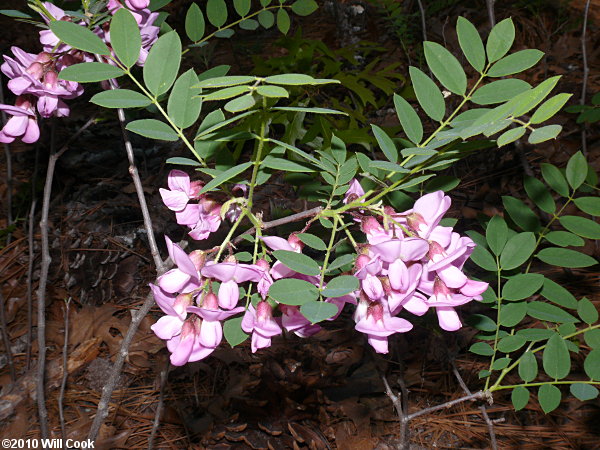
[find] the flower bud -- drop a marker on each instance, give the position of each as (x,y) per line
(440,288)
(36,70)
(264,312)
(210,301)
(263,264)
(295,242)
(51,79)
(435,249)
(182,301)
(415,220)
(198,257)
(43,58)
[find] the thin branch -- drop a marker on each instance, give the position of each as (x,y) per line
(63,383)
(399,407)
(161,403)
(491,14)
(275,223)
(41,297)
(477,395)
(7,156)
(111,383)
(586,72)
(482,408)
(30,228)
(6,340)
(423,22)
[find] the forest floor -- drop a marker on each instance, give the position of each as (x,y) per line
(320,393)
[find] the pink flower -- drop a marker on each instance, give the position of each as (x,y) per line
(427,213)
(354,192)
(261,324)
(185,277)
(180,191)
(294,321)
(230,274)
(378,324)
(211,331)
(23,123)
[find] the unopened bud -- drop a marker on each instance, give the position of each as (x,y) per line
(51,79)
(36,70)
(210,301)
(198,257)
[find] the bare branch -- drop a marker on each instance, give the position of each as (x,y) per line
(586,72)
(63,383)
(160,407)
(6,340)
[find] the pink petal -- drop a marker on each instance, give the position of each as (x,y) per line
(372,287)
(448,319)
(452,276)
(32,134)
(473,288)
(163,300)
(398,275)
(174,200)
(277,243)
(228,295)
(167,326)
(178,180)
(173,280)
(211,333)
(379,343)
(182,349)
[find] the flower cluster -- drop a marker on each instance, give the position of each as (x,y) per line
(203,217)
(412,263)
(409,262)
(34,77)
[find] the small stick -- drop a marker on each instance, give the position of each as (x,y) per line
(399,407)
(41,297)
(477,395)
(63,383)
(423,23)
(482,408)
(6,340)
(275,223)
(491,14)
(160,407)
(586,72)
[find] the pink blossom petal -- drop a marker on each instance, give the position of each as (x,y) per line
(452,276)
(473,288)
(448,319)
(228,295)
(178,180)
(167,326)
(372,287)
(174,200)
(181,348)
(163,300)
(211,333)
(173,280)
(277,243)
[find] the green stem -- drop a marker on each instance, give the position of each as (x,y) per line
(499,297)
(230,234)
(541,383)
(336,221)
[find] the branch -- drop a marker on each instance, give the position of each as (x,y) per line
(41,297)
(275,223)
(475,396)
(586,71)
(65,374)
(6,340)
(161,403)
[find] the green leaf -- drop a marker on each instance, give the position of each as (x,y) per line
(418,151)
(272,91)
(584,391)
(298,262)
(501,363)
(484,259)
(525,102)
(511,343)
(14,13)
(226,81)
(249,24)
(296,150)
(481,322)
(500,40)
(125,37)
(304,7)
(549,313)
(428,94)
(581,226)
(153,129)
(309,110)
(194,23)
(388,166)
(385,143)
(226,93)
(442,183)
(481,348)
(549,108)
(162,65)
(341,262)
(445,67)
(513,313)
(521,214)
(539,194)
(522,286)
(216,12)
(291,291)
(266,19)
(549,397)
(563,257)
(183,161)
(318,311)
(312,241)
(558,294)
(499,91)
(291,79)
(517,250)
(225,176)
(340,286)
(90,72)
(287,165)
(184,104)
(409,119)
(577,170)
(564,239)
(535,334)
(120,98)
(589,205)
(556,359)
(242,7)
(555,179)
(283,20)
(510,136)
(496,234)
(79,37)
(587,311)
(515,63)
(519,397)
(240,104)
(544,134)
(157,4)
(591,365)
(528,367)
(232,330)
(471,43)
